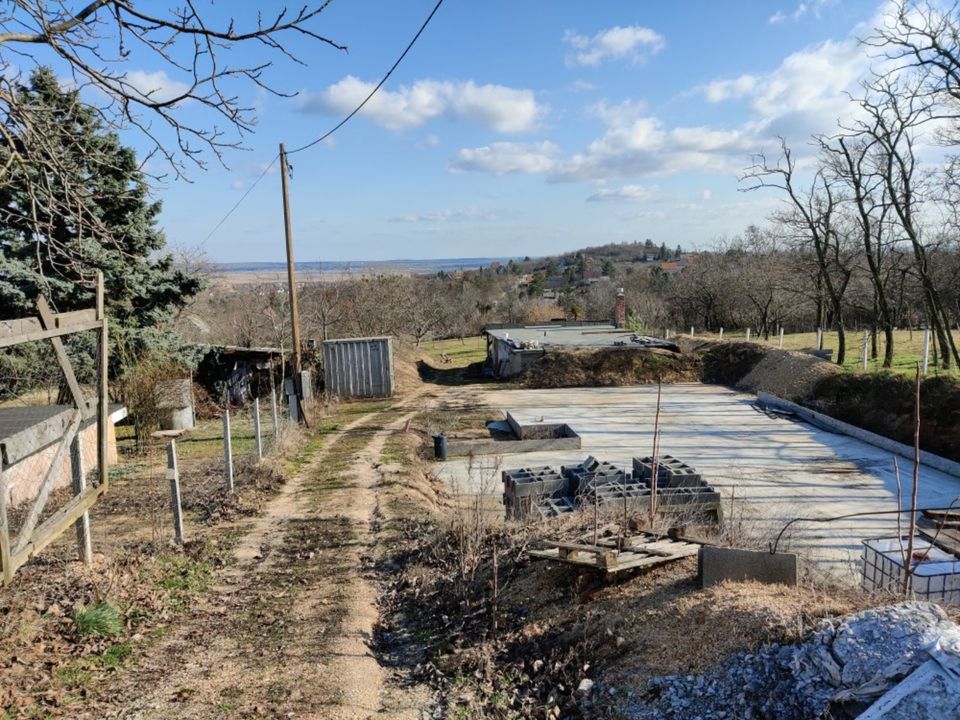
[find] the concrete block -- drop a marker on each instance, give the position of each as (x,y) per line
(716,564)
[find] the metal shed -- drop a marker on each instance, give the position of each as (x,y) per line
(358,367)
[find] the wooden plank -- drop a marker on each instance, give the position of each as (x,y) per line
(19,326)
(23,537)
(33,336)
(5,551)
(79,475)
(47,319)
(55,525)
(75,317)
(947,538)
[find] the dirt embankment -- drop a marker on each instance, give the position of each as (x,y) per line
(884,403)
(748,366)
(611,366)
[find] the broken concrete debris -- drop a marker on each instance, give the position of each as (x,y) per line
(543,492)
(840,672)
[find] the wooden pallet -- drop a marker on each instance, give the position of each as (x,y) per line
(645,550)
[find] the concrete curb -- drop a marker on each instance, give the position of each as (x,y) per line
(826,422)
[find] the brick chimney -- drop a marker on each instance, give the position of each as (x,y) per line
(620,310)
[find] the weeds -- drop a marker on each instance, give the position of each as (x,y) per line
(100,619)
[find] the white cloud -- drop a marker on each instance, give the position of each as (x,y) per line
(506,157)
(720,90)
(496,107)
(808,7)
(626,192)
(707,195)
(634,42)
(430,140)
(239,184)
(435,216)
(155,86)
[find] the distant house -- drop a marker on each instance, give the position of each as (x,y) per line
(672,267)
(592,275)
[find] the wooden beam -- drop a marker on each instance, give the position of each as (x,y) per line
(21,326)
(48,321)
(5,554)
(55,525)
(23,537)
(79,472)
(19,339)
(75,317)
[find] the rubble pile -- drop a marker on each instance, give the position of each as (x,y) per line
(839,673)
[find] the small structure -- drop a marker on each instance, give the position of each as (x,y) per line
(511,349)
(246,372)
(358,367)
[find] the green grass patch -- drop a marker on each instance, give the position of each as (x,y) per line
(101,619)
(183,577)
(460,353)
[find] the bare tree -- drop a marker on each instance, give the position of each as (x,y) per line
(197,101)
(813,211)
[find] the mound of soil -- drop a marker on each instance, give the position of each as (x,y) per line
(787,374)
(728,363)
(611,366)
(883,403)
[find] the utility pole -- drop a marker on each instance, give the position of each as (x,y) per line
(291,272)
(292,282)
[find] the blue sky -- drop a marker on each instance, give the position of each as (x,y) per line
(527,128)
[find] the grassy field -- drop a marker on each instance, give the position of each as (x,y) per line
(908,348)
(460,352)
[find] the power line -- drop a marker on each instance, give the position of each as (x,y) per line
(375,89)
(240,201)
(332,130)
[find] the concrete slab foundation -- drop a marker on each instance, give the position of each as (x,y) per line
(768,469)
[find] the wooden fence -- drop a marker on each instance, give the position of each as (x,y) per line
(33,536)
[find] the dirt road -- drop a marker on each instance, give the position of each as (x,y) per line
(287,627)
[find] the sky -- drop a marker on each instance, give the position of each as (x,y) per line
(524,128)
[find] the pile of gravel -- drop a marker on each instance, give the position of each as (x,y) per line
(787,374)
(841,670)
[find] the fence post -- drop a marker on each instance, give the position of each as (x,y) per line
(863,349)
(819,338)
(926,349)
(721,333)
(691,331)
(748,334)
(256,428)
(781,338)
(79,476)
(173,475)
(273,413)
(227,450)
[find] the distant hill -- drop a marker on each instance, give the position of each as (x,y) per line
(364,267)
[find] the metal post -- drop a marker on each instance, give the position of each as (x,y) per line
(79,475)
(721,333)
(256,428)
(691,331)
(103,417)
(173,475)
(781,338)
(819,338)
(227,451)
(863,349)
(273,413)
(926,349)
(748,334)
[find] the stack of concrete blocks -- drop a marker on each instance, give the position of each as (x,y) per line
(585,478)
(680,488)
(537,492)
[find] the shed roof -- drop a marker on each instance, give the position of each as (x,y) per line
(588,335)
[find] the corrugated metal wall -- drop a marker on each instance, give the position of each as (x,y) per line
(358,367)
